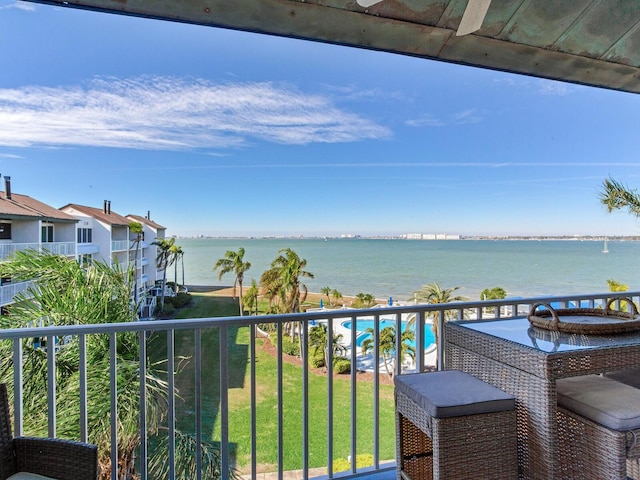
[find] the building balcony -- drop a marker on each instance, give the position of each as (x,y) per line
(266,411)
(59,248)
(67,249)
(120,245)
(7,249)
(10,290)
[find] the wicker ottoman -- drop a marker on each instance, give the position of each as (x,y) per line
(599,427)
(452,425)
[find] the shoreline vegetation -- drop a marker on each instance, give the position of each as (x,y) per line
(312,300)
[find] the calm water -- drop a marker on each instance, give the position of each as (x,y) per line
(399,267)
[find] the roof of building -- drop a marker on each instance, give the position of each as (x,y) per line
(146,221)
(25,207)
(109,217)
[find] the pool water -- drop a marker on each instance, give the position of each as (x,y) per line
(362,324)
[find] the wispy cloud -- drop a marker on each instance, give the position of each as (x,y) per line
(29,7)
(172,114)
(459,118)
(9,155)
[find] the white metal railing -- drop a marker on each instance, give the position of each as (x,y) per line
(60,248)
(10,290)
(7,249)
(226,329)
(119,245)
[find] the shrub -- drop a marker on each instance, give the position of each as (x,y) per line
(317,359)
(341,365)
(289,347)
(342,465)
(165,312)
(181,300)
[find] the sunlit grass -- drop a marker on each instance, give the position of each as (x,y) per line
(267,401)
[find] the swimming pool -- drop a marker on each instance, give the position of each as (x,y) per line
(362,324)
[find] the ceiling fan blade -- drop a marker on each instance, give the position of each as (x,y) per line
(472,17)
(367,3)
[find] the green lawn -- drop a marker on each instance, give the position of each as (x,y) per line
(267,402)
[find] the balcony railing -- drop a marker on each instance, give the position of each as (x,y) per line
(58,248)
(10,290)
(7,249)
(292,424)
(120,245)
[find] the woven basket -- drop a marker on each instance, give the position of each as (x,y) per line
(587,321)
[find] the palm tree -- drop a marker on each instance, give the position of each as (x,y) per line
(434,294)
(137,229)
(326,291)
(283,280)
(251,298)
(616,196)
(283,287)
(233,262)
(335,296)
(365,300)
(387,345)
(319,339)
(163,261)
(176,254)
(67,293)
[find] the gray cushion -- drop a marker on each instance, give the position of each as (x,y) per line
(452,393)
(602,400)
(630,377)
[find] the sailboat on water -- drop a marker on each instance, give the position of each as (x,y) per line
(606,246)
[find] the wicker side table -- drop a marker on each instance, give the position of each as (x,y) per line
(452,425)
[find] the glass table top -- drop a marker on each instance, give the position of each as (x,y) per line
(520,331)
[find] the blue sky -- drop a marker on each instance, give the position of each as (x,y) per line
(224,133)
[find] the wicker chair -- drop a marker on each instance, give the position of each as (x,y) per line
(51,458)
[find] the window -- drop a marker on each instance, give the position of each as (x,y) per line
(85,260)
(85,235)
(47,232)
(5,231)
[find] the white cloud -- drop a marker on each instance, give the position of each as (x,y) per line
(425,121)
(26,6)
(172,114)
(9,155)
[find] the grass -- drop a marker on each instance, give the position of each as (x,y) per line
(267,401)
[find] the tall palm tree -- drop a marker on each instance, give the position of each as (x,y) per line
(433,294)
(176,254)
(387,345)
(163,261)
(233,262)
(287,269)
(67,293)
(616,196)
(137,229)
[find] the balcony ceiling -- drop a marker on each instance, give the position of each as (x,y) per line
(591,42)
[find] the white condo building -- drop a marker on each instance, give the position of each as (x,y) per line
(103,234)
(26,223)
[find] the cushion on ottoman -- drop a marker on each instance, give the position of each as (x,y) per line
(602,400)
(452,393)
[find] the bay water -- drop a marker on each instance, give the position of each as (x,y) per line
(396,268)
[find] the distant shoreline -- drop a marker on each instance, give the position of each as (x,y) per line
(227,291)
(568,238)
